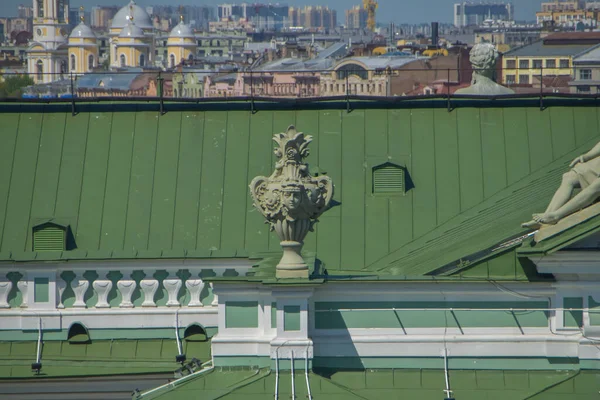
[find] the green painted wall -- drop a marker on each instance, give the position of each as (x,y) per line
(241,314)
(366,315)
(573,319)
(594,311)
(41,290)
(291,318)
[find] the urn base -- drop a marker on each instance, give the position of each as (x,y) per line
(292,265)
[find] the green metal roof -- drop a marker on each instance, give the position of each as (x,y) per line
(132,183)
(388,384)
(100,357)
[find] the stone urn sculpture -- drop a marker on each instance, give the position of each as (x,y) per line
(291,200)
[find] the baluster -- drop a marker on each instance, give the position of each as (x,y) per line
(126,286)
(195,287)
(215,301)
(103,287)
(172,285)
(5,287)
(79,285)
(149,285)
(61,285)
(23,286)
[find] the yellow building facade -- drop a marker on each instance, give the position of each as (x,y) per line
(131,37)
(181,44)
(47,52)
(133,47)
(83,50)
(523,69)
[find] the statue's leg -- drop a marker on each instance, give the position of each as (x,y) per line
(583,199)
(570,181)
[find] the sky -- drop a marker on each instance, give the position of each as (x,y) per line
(399,11)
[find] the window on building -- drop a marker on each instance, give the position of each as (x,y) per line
(523,79)
(61,11)
(123,60)
(511,64)
(564,63)
(172,60)
(583,89)
(537,64)
(585,74)
(49,237)
(524,64)
(39,70)
(142,60)
(91,62)
(73,62)
(511,79)
(551,63)
(40,8)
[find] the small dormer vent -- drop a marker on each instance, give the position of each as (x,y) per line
(389,178)
(49,237)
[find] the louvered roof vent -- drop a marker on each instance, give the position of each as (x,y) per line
(49,237)
(389,178)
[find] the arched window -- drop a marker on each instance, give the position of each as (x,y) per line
(73,62)
(78,334)
(390,178)
(123,60)
(90,62)
(172,60)
(195,333)
(39,70)
(191,57)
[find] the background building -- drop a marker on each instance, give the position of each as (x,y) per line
(570,13)
(356,18)
(263,16)
(100,17)
(467,13)
(318,17)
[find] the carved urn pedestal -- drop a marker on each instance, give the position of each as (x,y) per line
(291,200)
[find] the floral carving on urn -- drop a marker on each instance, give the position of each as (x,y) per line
(291,199)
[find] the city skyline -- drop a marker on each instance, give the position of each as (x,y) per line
(399,11)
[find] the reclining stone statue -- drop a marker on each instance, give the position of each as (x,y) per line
(584,174)
(483,57)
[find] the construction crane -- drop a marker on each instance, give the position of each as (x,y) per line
(371,7)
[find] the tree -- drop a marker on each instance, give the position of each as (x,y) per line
(11,85)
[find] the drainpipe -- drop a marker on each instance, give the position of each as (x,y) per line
(306,374)
(276,375)
(37,365)
(447,377)
(180,358)
(293,388)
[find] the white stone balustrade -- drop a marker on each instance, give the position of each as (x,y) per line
(22,286)
(149,286)
(5,287)
(126,286)
(172,284)
(102,288)
(133,291)
(195,287)
(80,285)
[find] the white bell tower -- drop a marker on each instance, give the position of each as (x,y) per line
(47,53)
